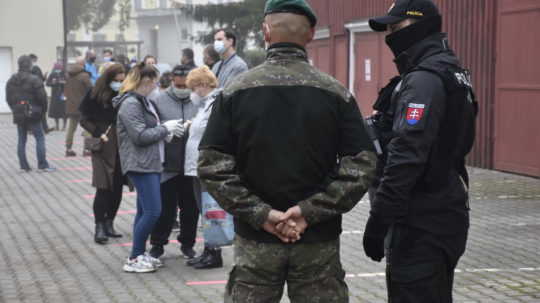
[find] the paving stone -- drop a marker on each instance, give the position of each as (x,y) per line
(47,253)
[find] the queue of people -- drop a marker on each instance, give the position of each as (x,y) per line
(146,136)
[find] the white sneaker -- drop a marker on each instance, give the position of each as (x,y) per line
(154,261)
(139,265)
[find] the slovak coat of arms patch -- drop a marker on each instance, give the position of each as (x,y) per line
(415,112)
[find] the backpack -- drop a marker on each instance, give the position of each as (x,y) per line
(459,124)
(24,110)
(23,104)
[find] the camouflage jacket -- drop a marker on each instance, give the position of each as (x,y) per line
(286,134)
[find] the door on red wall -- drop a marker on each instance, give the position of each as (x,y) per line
(374,67)
(319,54)
(517,104)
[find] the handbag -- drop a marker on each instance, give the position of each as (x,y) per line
(218,225)
(96,144)
(27,111)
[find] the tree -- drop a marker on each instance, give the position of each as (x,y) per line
(92,14)
(125,14)
(243,18)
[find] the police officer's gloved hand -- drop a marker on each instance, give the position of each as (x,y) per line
(374,239)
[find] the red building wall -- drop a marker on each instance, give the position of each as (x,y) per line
(517,92)
(471,26)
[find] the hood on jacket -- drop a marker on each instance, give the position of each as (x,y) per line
(75,69)
(25,63)
(116,101)
(21,77)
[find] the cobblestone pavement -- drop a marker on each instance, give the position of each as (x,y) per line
(47,253)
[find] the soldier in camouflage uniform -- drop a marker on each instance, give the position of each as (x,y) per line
(286,152)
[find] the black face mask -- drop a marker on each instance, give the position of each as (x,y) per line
(403,39)
(92,59)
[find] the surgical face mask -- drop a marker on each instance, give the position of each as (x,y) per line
(219,46)
(195,98)
(107,59)
(181,93)
(115,85)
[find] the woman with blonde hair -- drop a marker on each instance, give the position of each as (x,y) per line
(203,84)
(141,148)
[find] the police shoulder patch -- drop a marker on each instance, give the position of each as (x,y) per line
(415,112)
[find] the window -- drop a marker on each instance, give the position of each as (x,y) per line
(150,4)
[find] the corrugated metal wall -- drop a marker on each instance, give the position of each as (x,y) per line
(471,26)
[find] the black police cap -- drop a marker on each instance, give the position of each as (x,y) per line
(404,9)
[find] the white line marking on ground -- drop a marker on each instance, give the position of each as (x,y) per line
(382,274)
(469,270)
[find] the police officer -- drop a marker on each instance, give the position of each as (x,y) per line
(269,158)
(426,123)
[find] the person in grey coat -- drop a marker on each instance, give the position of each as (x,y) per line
(141,136)
(230,65)
(176,188)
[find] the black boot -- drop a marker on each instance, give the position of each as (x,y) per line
(109,230)
(100,237)
(198,259)
(213,260)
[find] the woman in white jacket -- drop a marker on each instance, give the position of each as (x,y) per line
(203,83)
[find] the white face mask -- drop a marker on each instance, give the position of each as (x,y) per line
(195,98)
(181,93)
(219,46)
(115,85)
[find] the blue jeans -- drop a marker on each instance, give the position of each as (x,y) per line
(148,209)
(37,130)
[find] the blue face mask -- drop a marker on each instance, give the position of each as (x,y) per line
(115,86)
(219,46)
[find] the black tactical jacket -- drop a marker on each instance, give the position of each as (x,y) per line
(428,127)
(286,134)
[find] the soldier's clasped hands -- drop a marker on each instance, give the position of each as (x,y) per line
(287,226)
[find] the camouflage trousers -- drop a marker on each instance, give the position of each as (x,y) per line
(312,271)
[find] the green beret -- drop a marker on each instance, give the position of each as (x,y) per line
(300,7)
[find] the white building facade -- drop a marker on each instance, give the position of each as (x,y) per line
(28,26)
(165,30)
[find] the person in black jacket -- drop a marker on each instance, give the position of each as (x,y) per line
(425,121)
(36,70)
(56,81)
(27,99)
(98,117)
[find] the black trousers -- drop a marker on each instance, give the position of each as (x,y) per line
(107,201)
(420,266)
(177,193)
